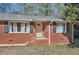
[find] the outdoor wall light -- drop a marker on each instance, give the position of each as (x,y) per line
(38,24)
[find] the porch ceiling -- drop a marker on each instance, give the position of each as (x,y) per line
(6,16)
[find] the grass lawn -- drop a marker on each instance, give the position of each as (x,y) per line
(39,50)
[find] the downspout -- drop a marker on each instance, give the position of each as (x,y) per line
(49,33)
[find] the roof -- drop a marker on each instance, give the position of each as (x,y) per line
(6,16)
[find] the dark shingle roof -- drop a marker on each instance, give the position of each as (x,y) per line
(6,16)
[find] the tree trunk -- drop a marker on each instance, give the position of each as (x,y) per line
(72,38)
(71,33)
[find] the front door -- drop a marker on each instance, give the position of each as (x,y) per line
(39,33)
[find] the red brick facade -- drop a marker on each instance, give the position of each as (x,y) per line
(28,38)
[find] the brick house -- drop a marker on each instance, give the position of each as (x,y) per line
(36,30)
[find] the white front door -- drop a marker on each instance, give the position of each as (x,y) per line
(39,33)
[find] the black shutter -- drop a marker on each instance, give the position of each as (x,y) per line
(31,27)
(6,29)
(54,27)
(25,26)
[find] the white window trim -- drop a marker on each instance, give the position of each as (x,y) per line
(64,25)
(10,26)
(29,27)
(16,28)
(59,28)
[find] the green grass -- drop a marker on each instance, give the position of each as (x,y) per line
(39,50)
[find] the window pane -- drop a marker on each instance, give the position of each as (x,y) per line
(60,28)
(18,27)
(10,27)
(6,29)
(22,27)
(27,27)
(14,27)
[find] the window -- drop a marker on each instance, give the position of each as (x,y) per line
(59,28)
(6,29)
(19,27)
(14,27)
(22,27)
(27,27)
(10,27)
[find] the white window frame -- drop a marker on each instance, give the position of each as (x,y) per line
(64,27)
(14,27)
(15,23)
(23,27)
(10,27)
(28,30)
